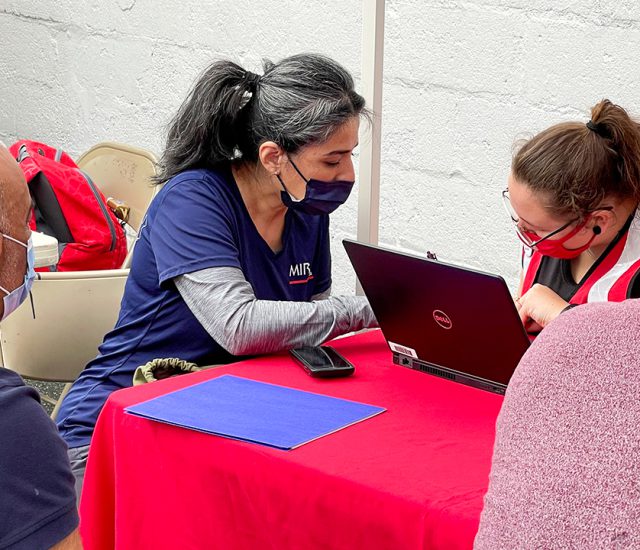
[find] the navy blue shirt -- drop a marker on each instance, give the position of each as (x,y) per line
(37,488)
(197,221)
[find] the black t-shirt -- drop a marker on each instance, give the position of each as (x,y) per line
(556,274)
(37,495)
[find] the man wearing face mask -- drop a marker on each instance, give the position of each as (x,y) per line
(37,498)
(573,195)
(233,258)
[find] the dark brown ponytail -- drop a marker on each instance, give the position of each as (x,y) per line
(577,165)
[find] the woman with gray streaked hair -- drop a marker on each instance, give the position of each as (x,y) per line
(233,258)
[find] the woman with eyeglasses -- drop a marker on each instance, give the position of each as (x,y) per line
(573,194)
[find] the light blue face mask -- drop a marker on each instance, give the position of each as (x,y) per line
(13,299)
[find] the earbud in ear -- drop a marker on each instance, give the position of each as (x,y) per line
(597,230)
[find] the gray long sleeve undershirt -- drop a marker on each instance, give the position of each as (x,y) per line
(224,303)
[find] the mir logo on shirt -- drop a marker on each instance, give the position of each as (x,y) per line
(300,273)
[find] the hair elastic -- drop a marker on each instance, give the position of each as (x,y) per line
(252,79)
(597,129)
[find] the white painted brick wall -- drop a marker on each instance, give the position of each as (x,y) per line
(463,79)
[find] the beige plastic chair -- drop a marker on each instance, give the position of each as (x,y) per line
(123,172)
(73,312)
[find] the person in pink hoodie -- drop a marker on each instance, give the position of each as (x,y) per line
(566,462)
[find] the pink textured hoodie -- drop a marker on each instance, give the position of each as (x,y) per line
(566,462)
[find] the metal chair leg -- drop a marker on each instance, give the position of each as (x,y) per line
(65,391)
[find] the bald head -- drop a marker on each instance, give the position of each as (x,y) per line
(14,195)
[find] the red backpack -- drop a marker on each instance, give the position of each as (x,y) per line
(69,207)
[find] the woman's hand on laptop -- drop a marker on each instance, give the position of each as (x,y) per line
(540,305)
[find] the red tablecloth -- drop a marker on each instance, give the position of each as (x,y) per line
(412,477)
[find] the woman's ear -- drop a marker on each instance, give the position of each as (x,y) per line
(272,157)
(601,220)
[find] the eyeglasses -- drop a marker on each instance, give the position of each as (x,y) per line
(530,238)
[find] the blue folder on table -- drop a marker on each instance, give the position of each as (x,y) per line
(254,411)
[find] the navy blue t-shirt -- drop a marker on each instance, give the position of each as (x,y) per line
(197,221)
(37,488)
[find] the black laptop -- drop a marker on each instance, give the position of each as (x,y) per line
(449,321)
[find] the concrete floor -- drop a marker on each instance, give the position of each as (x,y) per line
(52,389)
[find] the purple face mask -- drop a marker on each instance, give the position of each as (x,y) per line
(320,197)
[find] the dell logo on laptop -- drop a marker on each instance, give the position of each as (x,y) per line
(442,319)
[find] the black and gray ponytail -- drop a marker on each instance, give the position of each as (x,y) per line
(230,111)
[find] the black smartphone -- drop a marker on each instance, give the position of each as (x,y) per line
(322,361)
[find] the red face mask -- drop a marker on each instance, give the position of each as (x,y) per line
(555,248)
